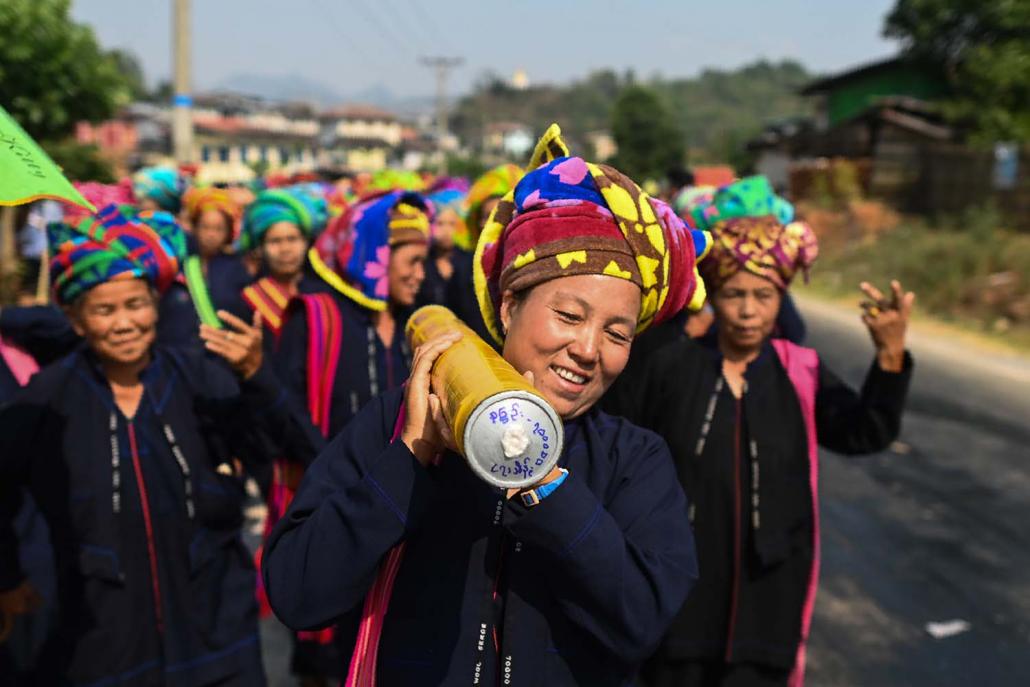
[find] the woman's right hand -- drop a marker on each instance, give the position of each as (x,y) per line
(426,432)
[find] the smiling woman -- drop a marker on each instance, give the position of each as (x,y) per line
(125,447)
(573,335)
(570,581)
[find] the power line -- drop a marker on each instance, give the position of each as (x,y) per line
(385,33)
(426,20)
(329,13)
(391,9)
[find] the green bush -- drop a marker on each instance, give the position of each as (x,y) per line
(948,268)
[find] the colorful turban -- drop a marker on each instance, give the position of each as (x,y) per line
(353,254)
(164,186)
(116,243)
(100,195)
(395,180)
(753,229)
(200,200)
(309,212)
(571,217)
(762,246)
(453,200)
(750,197)
(691,197)
(460,184)
(338,200)
(494,184)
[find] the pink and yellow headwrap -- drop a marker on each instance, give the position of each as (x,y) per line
(571,217)
(753,229)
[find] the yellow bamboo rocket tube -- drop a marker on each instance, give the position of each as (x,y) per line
(507,431)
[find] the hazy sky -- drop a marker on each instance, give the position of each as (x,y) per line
(354,44)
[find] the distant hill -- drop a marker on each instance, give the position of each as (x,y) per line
(297,87)
(716,110)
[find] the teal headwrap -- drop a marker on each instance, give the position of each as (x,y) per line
(309,212)
(750,197)
(164,186)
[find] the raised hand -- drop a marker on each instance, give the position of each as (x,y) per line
(239,343)
(426,431)
(886,318)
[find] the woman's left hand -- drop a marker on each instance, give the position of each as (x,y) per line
(239,343)
(887,321)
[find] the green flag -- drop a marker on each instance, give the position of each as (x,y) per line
(27,173)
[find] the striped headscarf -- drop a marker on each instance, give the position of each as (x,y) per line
(493,184)
(164,186)
(753,229)
(116,243)
(353,254)
(298,206)
(571,217)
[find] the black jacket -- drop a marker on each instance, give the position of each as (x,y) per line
(747,605)
(147,594)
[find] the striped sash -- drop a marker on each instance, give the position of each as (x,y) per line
(269,298)
(325,327)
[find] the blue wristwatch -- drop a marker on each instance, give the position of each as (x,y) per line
(534,496)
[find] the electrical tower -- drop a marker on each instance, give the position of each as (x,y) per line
(442,65)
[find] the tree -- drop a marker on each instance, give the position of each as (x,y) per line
(162,93)
(129,67)
(52,72)
(648,140)
(985,48)
(80,162)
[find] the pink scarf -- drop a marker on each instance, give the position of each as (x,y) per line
(22,365)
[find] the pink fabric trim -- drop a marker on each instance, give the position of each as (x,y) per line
(362,670)
(802,366)
(21,364)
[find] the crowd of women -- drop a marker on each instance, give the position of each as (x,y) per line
(202,337)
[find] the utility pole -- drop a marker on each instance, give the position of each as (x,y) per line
(182,101)
(442,65)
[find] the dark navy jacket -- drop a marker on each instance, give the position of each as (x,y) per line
(42,330)
(147,594)
(366,368)
(575,591)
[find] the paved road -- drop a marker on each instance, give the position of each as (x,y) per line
(936,529)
